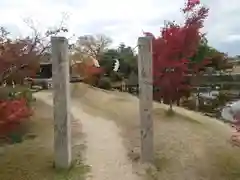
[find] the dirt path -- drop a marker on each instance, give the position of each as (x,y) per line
(105,151)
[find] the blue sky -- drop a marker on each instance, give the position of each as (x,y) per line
(122,20)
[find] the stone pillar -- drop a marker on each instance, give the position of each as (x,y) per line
(146,97)
(61,101)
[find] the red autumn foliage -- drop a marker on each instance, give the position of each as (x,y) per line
(16,61)
(88,70)
(173,49)
(93,70)
(14,110)
(12,113)
(19,59)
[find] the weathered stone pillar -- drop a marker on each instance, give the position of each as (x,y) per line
(146,97)
(61,100)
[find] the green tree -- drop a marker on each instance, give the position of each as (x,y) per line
(126,57)
(107,60)
(210,56)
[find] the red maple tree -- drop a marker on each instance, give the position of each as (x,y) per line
(19,58)
(173,49)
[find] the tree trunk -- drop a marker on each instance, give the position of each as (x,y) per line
(197,100)
(170,105)
(178,102)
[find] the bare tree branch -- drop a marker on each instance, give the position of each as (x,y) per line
(93,45)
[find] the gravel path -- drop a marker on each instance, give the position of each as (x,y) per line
(105,152)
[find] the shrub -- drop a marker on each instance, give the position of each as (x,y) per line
(14,108)
(25,94)
(104,83)
(115,76)
(18,92)
(12,112)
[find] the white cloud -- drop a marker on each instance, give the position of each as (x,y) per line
(123,20)
(234,37)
